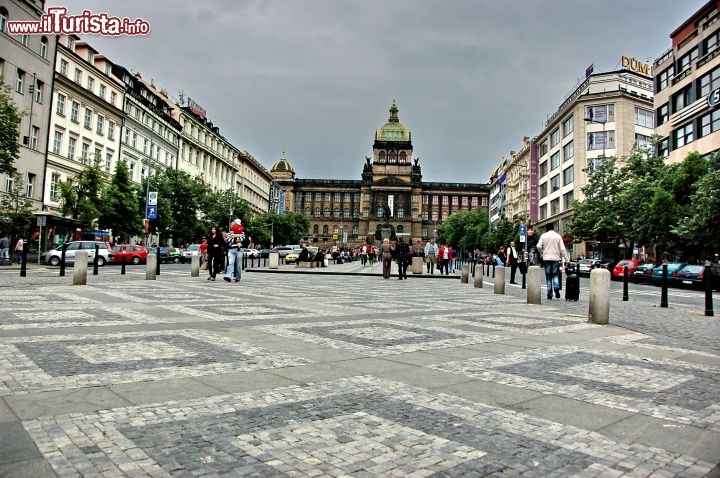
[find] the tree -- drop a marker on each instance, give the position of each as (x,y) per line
(464,229)
(80,197)
(217,206)
(9,126)
(701,228)
(120,210)
(288,228)
(16,212)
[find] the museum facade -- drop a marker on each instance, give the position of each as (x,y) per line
(390,192)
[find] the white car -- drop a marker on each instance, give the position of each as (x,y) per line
(53,256)
(251,253)
(192,250)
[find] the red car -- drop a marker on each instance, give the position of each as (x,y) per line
(129,254)
(631,264)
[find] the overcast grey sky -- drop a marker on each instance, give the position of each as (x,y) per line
(317,77)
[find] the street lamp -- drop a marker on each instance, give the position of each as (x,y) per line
(602,122)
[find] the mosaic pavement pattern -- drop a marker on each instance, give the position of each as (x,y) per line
(75,315)
(58,362)
(378,337)
(42,297)
(359,426)
(517,322)
(665,389)
(649,342)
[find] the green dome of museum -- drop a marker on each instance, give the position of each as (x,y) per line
(282,166)
(393,130)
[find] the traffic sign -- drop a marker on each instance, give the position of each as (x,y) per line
(152,212)
(522,230)
(152,198)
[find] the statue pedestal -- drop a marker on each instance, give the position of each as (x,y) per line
(387,232)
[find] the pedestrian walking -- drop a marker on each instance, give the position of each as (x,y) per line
(234,241)
(445,255)
(19,249)
(512,259)
(386,252)
(431,252)
(402,253)
(553,251)
(216,253)
(4,250)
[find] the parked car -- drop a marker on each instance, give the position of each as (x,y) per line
(264,252)
(53,256)
(608,264)
(690,276)
(251,253)
(130,254)
(190,251)
(282,250)
(586,265)
(631,264)
(672,268)
(571,267)
(292,256)
(173,255)
(643,272)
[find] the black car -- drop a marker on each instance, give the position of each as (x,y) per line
(571,268)
(690,276)
(643,273)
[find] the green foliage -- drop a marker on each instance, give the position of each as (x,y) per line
(80,197)
(16,212)
(288,228)
(217,207)
(500,234)
(701,229)
(119,206)
(464,229)
(9,125)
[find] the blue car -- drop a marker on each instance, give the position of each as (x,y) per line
(672,268)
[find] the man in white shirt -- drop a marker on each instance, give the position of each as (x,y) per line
(512,258)
(431,251)
(553,252)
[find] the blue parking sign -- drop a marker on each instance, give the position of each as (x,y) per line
(152,212)
(522,230)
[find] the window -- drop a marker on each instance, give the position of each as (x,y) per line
(30,186)
(403,157)
(60,108)
(555,206)
(663,79)
(381,157)
(642,141)
(88,119)
(687,60)
(392,157)
(72,142)
(39,90)
(555,183)
(444,200)
(379,212)
(663,114)
(543,148)
(542,210)
(601,113)
(366,213)
(711,42)
(113,98)
(601,140)
(464,201)
(23,39)
(542,190)
(682,98)
(454,201)
(400,213)
(318,197)
(346,197)
(111,131)
(569,151)
(91,84)
(57,142)
(19,81)
(103,89)
(78,76)
(568,126)
(54,182)
(346,213)
(43,47)
(435,199)
(326,212)
(543,169)
(555,161)
(683,136)
(425,199)
(98,154)
(71,43)
(644,118)
(709,82)
(3,19)
(568,175)
(74,111)
(710,123)
(100,126)
(34,133)
(663,147)
(554,137)
(568,200)
(84,150)
(63,67)
(328,197)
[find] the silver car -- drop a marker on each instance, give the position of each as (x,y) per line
(192,250)
(53,256)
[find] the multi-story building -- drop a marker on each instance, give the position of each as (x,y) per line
(517,184)
(26,64)
(687,87)
(608,114)
(498,193)
(350,212)
(86,117)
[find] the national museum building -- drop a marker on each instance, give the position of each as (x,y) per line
(350,212)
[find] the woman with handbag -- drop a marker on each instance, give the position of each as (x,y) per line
(386,251)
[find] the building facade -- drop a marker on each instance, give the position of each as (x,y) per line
(687,87)
(351,212)
(26,64)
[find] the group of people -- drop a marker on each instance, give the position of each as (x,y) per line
(441,256)
(5,250)
(222,244)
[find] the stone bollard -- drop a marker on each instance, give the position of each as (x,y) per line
(274,260)
(80,268)
(479,281)
(417,265)
(465,274)
(151,266)
(195,266)
(599,296)
(499,282)
(535,278)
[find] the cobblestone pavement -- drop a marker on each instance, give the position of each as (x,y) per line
(323,375)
